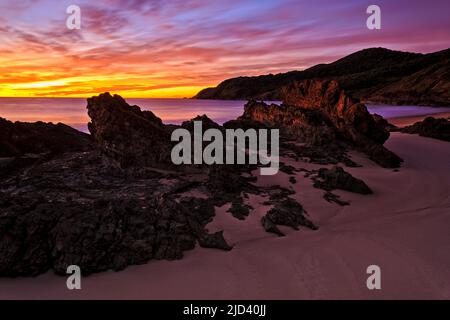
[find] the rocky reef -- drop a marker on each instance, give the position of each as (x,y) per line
(321,113)
(76,209)
(437,128)
(113,199)
(20,138)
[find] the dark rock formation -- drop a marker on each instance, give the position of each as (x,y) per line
(226,184)
(207,123)
(287,212)
(294,122)
(77,210)
(333,153)
(20,138)
(287,168)
(320,113)
(271,227)
(119,201)
(127,135)
(215,240)
(375,75)
(348,116)
(437,128)
(331,197)
(383,123)
(244,124)
(381,155)
(239,210)
(338,178)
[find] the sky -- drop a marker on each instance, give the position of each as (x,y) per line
(174,48)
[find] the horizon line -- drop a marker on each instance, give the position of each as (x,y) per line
(240,76)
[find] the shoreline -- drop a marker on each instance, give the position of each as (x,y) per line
(175,111)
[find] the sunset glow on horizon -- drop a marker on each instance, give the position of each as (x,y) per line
(173,49)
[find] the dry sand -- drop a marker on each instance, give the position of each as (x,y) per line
(403,228)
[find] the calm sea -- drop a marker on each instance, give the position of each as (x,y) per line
(73,111)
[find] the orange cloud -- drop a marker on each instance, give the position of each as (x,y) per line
(175,48)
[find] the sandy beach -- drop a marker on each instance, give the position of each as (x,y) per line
(402,227)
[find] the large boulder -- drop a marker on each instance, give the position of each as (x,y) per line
(127,135)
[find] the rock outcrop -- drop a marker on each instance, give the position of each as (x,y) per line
(77,210)
(338,178)
(349,117)
(320,112)
(112,203)
(127,135)
(286,212)
(437,128)
(207,123)
(20,138)
(294,122)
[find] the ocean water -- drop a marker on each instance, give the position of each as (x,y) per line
(72,111)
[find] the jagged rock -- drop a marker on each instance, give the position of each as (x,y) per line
(381,155)
(19,138)
(12,166)
(287,168)
(244,124)
(105,234)
(239,210)
(207,123)
(338,178)
(320,113)
(299,123)
(287,212)
(349,116)
(383,123)
(226,184)
(271,227)
(437,128)
(127,135)
(277,193)
(74,209)
(77,208)
(215,240)
(331,197)
(319,154)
